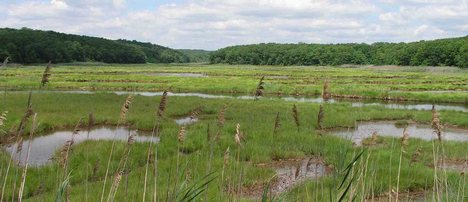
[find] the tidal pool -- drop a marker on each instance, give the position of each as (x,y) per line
(44,147)
(388,128)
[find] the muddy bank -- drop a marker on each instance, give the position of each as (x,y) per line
(289,173)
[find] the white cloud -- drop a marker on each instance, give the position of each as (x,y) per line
(212,24)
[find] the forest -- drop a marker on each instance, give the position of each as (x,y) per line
(27,46)
(441,52)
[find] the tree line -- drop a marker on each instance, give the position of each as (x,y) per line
(28,46)
(441,52)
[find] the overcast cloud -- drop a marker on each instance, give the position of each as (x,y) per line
(212,24)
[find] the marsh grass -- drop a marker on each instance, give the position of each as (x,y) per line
(368,177)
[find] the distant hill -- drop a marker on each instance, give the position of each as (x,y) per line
(441,52)
(34,46)
(197,56)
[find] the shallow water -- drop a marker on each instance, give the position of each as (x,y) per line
(186,121)
(311,99)
(44,147)
(387,128)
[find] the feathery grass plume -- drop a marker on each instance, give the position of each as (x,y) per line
(326,90)
(374,138)
(162,104)
(181,135)
(29,112)
(277,123)
(195,113)
(416,155)
(25,168)
(5,62)
(404,144)
(295,114)
(320,117)
(238,135)
(125,108)
(226,157)
(121,167)
(19,141)
(66,148)
(222,116)
(3,118)
(260,89)
(46,74)
(405,138)
(436,126)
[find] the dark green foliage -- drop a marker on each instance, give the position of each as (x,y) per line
(442,52)
(197,56)
(35,46)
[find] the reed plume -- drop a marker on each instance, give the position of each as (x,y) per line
(19,141)
(436,126)
(416,155)
(3,118)
(125,108)
(162,104)
(326,90)
(320,117)
(405,138)
(260,89)
(25,168)
(66,148)
(121,167)
(238,135)
(29,112)
(195,113)
(374,138)
(277,123)
(226,157)
(222,116)
(295,114)
(46,74)
(181,135)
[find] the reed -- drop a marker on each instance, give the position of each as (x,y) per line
(435,122)
(156,131)
(25,168)
(221,120)
(91,122)
(326,95)
(19,141)
(121,168)
(277,124)
(162,104)
(320,117)
(122,118)
(404,145)
(295,115)
(260,89)
(47,73)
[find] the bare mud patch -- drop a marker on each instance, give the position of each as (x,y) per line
(289,173)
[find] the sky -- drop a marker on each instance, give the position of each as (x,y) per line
(213,24)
